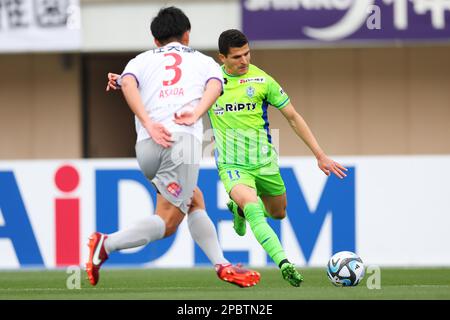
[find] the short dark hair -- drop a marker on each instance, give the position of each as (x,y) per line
(170,23)
(232,38)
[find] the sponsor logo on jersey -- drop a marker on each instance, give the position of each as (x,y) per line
(282,91)
(174,189)
(218,110)
(236,107)
(257,80)
(250,92)
(177,48)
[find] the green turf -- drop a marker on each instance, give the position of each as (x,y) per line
(202,283)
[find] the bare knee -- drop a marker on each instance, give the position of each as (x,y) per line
(242,195)
(198,201)
(172,222)
(171,215)
(276,206)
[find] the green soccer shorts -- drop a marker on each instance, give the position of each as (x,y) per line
(265,180)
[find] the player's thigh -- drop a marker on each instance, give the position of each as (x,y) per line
(231,176)
(275,205)
(171,215)
(148,155)
(177,176)
(239,184)
(271,189)
(268,180)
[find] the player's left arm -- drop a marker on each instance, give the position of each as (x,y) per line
(112,81)
(302,130)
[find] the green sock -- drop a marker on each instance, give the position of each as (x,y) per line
(263,232)
(266,214)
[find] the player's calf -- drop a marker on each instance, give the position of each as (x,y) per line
(170,214)
(274,206)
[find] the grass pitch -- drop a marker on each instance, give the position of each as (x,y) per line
(203,284)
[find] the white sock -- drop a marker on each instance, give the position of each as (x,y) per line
(141,233)
(205,235)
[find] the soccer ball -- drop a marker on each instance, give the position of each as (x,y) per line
(345,269)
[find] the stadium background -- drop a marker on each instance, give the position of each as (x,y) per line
(382,108)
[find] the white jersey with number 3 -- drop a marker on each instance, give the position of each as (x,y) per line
(171,79)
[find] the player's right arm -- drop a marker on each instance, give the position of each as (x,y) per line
(156,130)
(212,93)
(212,73)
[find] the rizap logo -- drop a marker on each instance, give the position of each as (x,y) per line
(218,110)
(258,80)
(235,107)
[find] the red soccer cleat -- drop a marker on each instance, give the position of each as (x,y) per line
(97,255)
(237,275)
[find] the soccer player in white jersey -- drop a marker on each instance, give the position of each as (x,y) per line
(156,85)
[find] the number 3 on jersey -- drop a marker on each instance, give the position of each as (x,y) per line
(175,68)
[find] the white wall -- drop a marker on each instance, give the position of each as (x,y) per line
(125,26)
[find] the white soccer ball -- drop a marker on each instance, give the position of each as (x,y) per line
(345,269)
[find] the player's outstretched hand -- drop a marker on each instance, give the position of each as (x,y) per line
(187,117)
(112,84)
(328,166)
(159,134)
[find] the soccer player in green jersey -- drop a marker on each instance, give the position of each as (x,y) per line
(245,156)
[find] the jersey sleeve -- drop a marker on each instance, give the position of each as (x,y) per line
(213,72)
(132,68)
(276,95)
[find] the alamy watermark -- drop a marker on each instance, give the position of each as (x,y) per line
(374,277)
(246,147)
(373,21)
(437,10)
(73,281)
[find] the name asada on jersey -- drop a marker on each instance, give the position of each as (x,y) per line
(166,93)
